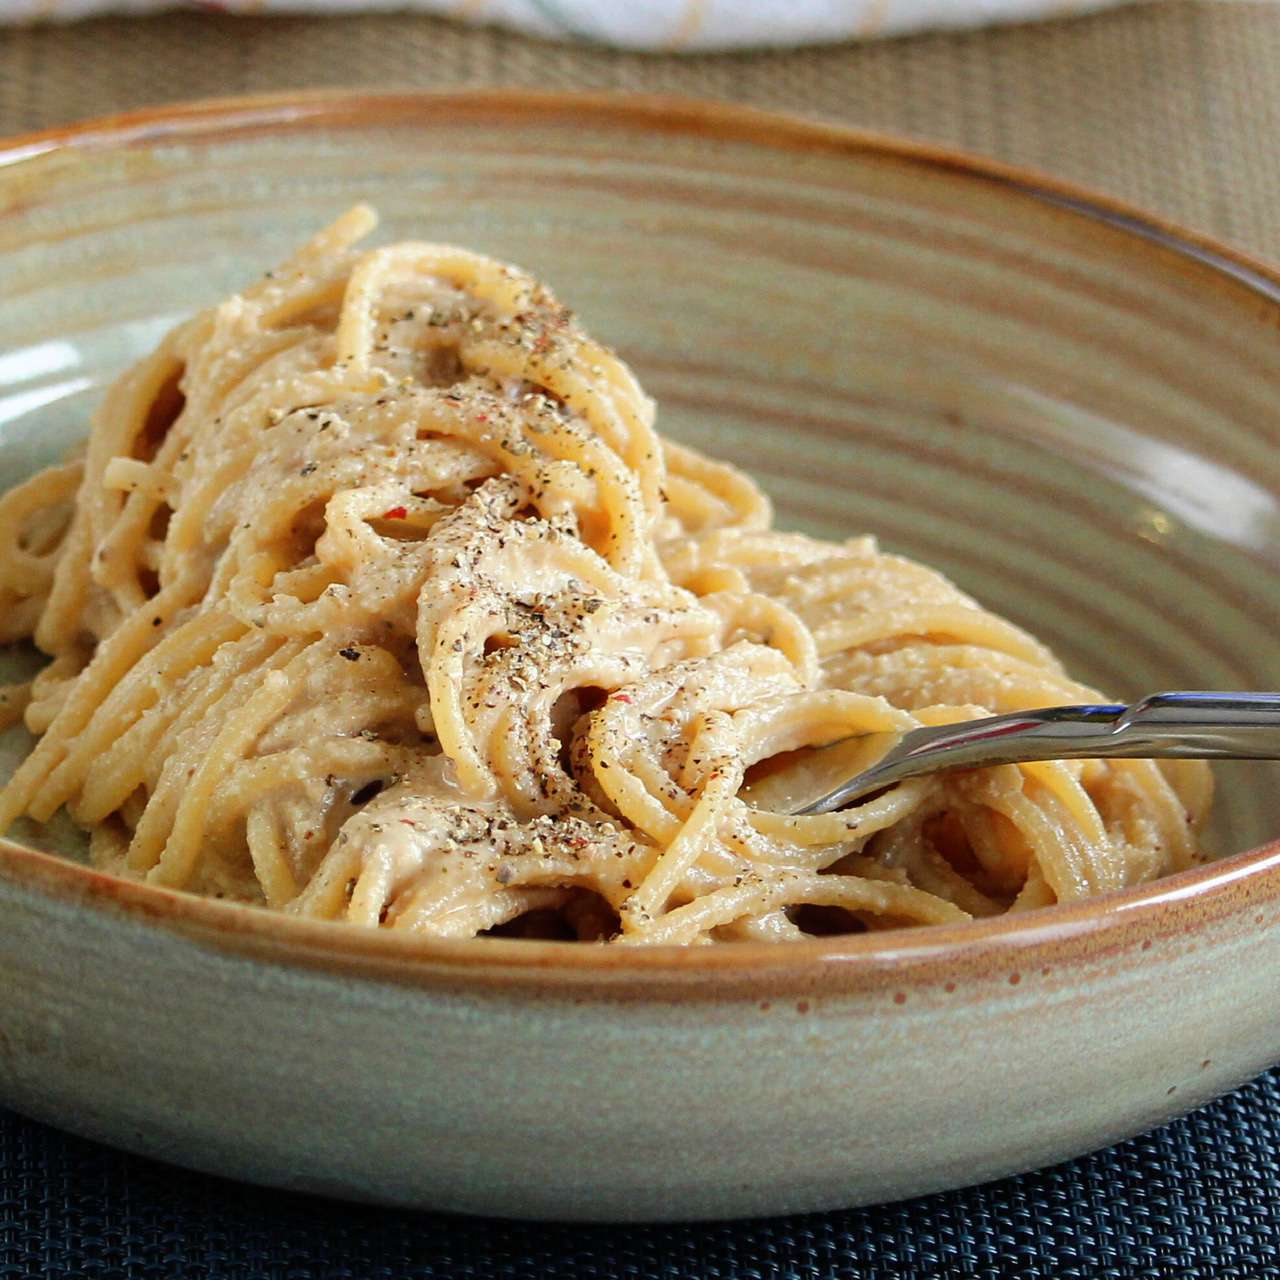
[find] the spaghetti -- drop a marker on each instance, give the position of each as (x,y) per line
(375,597)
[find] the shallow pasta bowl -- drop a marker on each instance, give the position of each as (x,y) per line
(1064,404)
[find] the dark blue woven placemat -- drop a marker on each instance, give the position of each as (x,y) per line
(1199,1198)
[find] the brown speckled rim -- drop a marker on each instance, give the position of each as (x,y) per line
(1237,893)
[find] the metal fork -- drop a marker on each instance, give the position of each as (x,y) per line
(1205,726)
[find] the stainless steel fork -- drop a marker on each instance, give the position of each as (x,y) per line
(1208,726)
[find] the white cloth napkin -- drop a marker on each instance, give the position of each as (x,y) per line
(636,24)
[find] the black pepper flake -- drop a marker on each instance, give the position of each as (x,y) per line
(308,469)
(351,654)
(155,622)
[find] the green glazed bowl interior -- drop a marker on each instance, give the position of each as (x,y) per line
(1068,410)
(1065,405)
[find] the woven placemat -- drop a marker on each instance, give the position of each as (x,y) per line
(1173,105)
(1197,1200)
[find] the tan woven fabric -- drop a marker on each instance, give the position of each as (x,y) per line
(1174,105)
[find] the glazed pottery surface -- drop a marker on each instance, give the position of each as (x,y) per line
(1068,407)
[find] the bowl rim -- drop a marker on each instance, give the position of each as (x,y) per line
(1089,931)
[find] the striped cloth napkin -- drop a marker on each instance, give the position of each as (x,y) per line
(635,24)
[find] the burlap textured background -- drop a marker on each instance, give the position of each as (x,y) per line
(1174,105)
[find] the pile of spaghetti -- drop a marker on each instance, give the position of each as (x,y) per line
(375,597)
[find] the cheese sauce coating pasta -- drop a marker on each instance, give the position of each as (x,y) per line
(375,597)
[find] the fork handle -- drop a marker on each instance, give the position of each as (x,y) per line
(1204,726)
(1224,726)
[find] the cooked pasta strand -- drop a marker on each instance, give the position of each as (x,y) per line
(376,597)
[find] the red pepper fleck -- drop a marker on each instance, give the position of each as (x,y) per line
(395,513)
(621,697)
(482,417)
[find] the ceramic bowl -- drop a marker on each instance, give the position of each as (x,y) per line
(1066,405)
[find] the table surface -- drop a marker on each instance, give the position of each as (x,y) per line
(1174,106)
